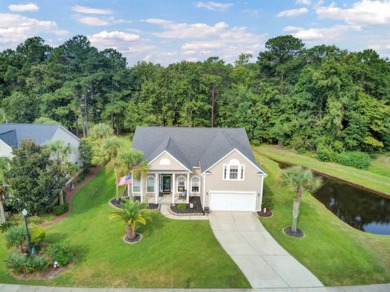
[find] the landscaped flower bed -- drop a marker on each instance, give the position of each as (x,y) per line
(185,209)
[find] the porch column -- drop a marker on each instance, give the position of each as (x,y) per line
(188,188)
(261,192)
(141,188)
(173,188)
(156,180)
(204,190)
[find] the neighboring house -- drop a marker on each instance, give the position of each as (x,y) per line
(11,135)
(216,164)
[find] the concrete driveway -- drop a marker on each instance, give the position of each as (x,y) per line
(263,261)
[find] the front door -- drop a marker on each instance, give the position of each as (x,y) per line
(166,183)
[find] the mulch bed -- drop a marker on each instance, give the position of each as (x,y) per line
(45,275)
(266,214)
(298,233)
(195,210)
(118,203)
(138,237)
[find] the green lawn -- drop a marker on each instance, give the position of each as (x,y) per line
(335,252)
(372,178)
(172,253)
(381,164)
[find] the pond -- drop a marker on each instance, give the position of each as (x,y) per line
(361,209)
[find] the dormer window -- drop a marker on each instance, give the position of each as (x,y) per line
(233,170)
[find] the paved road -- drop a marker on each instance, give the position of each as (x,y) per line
(263,261)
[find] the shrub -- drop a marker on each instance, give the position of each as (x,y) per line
(60,253)
(182,207)
(60,209)
(267,200)
(324,153)
(355,159)
(17,262)
(5,226)
(301,150)
(16,237)
(256,142)
(21,264)
(37,235)
(38,263)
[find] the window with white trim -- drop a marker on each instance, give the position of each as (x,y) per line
(150,184)
(181,183)
(233,170)
(195,184)
(136,186)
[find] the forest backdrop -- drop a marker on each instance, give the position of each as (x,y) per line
(309,99)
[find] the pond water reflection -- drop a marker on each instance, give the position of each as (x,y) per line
(361,209)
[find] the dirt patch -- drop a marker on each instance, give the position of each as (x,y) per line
(289,231)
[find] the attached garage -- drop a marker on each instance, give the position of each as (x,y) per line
(232,201)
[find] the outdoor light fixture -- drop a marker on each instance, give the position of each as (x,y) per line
(24,213)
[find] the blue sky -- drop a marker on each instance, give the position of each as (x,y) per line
(167,31)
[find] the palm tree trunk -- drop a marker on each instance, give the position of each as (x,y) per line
(2,214)
(130,232)
(116,186)
(61,196)
(295,215)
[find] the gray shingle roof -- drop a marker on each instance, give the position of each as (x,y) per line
(13,134)
(199,147)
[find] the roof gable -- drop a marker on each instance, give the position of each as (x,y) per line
(193,147)
(15,133)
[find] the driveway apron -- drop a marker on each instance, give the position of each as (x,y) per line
(263,261)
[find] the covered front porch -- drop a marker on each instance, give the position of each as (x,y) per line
(166,187)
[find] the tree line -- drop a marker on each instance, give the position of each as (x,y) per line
(307,98)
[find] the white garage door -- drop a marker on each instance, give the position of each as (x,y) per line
(232,201)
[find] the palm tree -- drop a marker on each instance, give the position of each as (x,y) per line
(107,154)
(132,212)
(299,181)
(60,153)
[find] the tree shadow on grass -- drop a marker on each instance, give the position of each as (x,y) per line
(156,222)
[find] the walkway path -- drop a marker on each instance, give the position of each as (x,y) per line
(263,261)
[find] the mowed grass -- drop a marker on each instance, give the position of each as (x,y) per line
(373,178)
(380,164)
(172,253)
(335,252)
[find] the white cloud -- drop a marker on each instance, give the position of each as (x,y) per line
(15,28)
(329,33)
(303,2)
(113,35)
(157,21)
(31,7)
(214,5)
(361,13)
(293,12)
(89,10)
(100,21)
(95,21)
(193,30)
(292,28)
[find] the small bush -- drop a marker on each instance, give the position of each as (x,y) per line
(256,142)
(182,207)
(60,209)
(37,235)
(60,253)
(301,150)
(324,153)
(355,159)
(17,262)
(5,226)
(21,264)
(16,237)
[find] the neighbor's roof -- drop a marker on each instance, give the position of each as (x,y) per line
(13,134)
(193,147)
